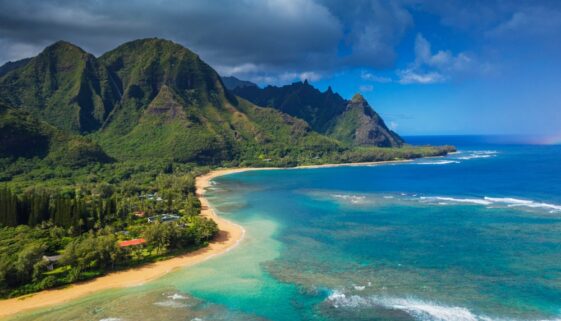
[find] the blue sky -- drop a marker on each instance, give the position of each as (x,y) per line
(428,67)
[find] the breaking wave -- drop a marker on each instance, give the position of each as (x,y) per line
(445,200)
(441,162)
(493,201)
(170,304)
(177,296)
(458,157)
(355,199)
(514,202)
(477,154)
(419,309)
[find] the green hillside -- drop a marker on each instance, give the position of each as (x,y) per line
(152,99)
(64,86)
(23,135)
(175,106)
(326,112)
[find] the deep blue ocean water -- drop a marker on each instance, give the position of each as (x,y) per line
(475,235)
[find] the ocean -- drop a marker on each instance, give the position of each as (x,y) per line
(475,235)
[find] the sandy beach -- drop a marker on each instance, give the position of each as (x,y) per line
(229,236)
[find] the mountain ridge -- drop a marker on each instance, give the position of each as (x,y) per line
(64,85)
(155,99)
(327,112)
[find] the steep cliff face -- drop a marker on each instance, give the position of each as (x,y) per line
(353,122)
(174,105)
(232,83)
(64,86)
(23,135)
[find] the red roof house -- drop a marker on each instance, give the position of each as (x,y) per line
(133,242)
(139,213)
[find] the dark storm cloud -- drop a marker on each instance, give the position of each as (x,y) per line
(229,34)
(264,40)
(280,38)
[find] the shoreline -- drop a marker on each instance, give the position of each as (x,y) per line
(230,235)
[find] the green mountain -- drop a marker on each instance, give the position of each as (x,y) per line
(361,125)
(152,99)
(64,86)
(23,135)
(353,122)
(11,65)
(175,106)
(231,83)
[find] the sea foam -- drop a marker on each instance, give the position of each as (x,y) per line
(177,296)
(441,162)
(355,199)
(442,200)
(478,154)
(492,201)
(515,202)
(170,304)
(419,309)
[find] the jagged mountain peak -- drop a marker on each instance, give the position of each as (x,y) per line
(63,52)
(232,83)
(353,122)
(150,45)
(63,85)
(358,99)
(145,65)
(63,45)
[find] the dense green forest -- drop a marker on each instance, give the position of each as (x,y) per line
(92,147)
(79,221)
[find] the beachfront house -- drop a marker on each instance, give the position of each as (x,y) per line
(52,260)
(151,197)
(139,213)
(132,243)
(163,218)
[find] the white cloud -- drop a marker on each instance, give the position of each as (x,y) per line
(236,69)
(309,75)
(372,77)
(281,78)
(366,88)
(410,76)
(443,59)
(429,67)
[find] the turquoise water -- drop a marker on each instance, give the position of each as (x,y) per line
(472,236)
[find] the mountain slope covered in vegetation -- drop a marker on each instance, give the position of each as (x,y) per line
(23,135)
(153,99)
(328,113)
